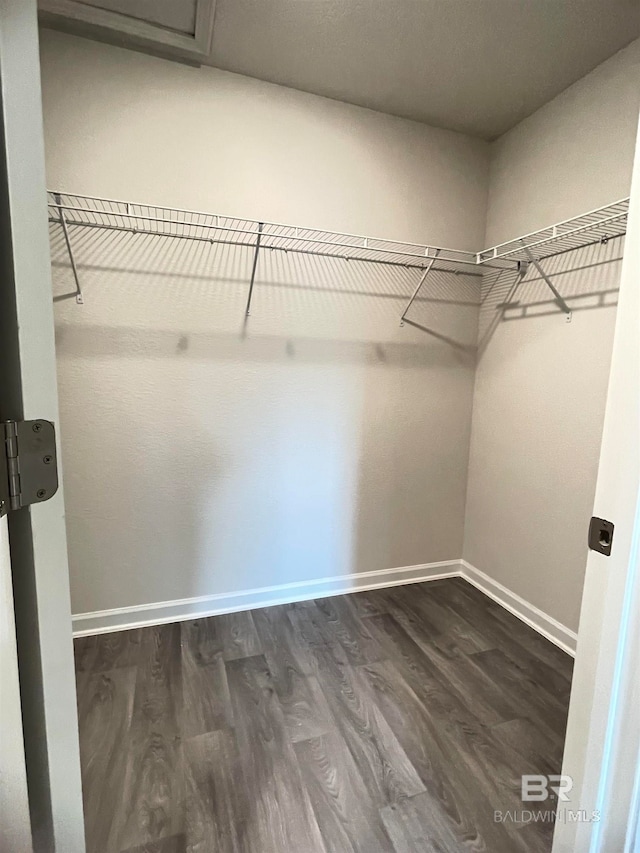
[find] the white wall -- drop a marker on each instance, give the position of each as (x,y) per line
(326,441)
(541,383)
(123,125)
(571,156)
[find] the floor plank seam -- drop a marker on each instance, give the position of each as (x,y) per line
(384,721)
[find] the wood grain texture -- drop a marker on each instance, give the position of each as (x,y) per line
(239,636)
(540,752)
(105,652)
(313,634)
(206,704)
(461,726)
(369,603)
(528,697)
(548,665)
(506,632)
(175,844)
(391,721)
(203,639)
(387,772)
(217,807)
(348,820)
(105,707)
(304,707)
(280,809)
(346,628)
(419,825)
(463,766)
(455,670)
(467,634)
(461,796)
(152,798)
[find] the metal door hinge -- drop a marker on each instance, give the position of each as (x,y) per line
(28,464)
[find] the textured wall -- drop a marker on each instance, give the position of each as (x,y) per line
(123,125)
(541,383)
(326,440)
(571,156)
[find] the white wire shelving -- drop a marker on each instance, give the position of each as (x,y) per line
(597,226)
(89,212)
(92,212)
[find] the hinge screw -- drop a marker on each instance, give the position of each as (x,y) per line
(36,427)
(41,493)
(47,460)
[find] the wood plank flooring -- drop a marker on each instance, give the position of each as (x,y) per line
(394,721)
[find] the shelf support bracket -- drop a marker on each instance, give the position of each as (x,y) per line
(65,231)
(521,270)
(559,300)
(423,278)
(253,268)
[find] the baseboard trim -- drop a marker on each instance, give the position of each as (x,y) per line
(124,618)
(137,616)
(534,617)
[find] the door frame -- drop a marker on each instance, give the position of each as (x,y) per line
(602,748)
(15,827)
(28,391)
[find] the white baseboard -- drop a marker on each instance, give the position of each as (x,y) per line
(534,617)
(123,618)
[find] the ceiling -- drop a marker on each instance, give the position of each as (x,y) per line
(477,66)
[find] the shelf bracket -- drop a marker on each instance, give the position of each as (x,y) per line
(65,231)
(522,269)
(423,278)
(256,252)
(559,300)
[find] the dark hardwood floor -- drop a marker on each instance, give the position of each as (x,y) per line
(394,721)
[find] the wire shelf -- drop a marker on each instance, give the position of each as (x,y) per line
(597,226)
(92,212)
(77,211)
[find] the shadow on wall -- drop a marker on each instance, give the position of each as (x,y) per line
(289,287)
(320,440)
(325,441)
(587,278)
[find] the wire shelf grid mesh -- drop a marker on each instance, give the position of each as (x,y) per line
(601,225)
(84,211)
